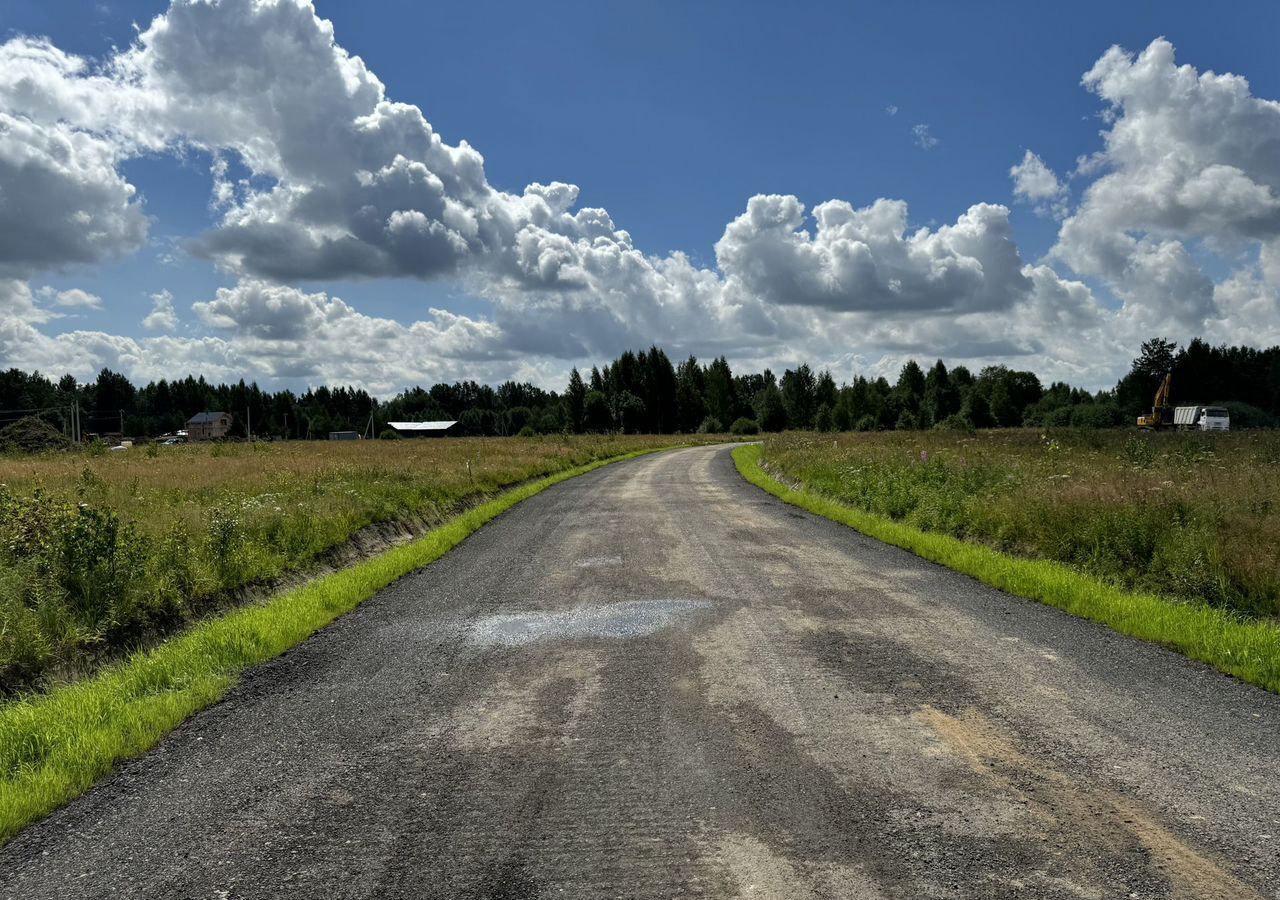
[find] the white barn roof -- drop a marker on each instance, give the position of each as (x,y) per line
(422,426)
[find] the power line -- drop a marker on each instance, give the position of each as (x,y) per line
(41,409)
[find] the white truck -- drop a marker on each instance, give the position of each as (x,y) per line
(1201,418)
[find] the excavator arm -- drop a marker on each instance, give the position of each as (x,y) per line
(1162,393)
(1161,412)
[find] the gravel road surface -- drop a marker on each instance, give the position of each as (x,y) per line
(657,681)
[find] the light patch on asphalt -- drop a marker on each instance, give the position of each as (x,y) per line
(630,619)
(594,562)
(513,711)
(759,872)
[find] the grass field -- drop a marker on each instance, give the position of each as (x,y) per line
(1180,515)
(101,553)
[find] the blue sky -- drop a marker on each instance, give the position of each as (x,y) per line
(672,115)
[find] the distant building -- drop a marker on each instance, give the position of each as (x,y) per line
(344,435)
(423,429)
(208,426)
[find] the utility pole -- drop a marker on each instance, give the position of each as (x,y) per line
(122,424)
(248,423)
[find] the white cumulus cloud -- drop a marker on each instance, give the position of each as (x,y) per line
(1036,183)
(163,315)
(76,299)
(1190,164)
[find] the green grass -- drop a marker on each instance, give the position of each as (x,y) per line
(54,746)
(1247,649)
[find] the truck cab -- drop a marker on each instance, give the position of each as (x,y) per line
(1215,418)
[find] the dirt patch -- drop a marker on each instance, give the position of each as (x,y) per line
(1081,818)
(511,712)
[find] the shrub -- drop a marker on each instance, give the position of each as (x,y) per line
(711,425)
(907,421)
(389,434)
(956,422)
(225,535)
(1095,415)
(1058,418)
(24,649)
(1139,453)
(744,426)
(99,559)
(527,431)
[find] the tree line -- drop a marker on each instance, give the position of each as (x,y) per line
(644,391)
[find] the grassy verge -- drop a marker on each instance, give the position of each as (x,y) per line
(54,747)
(1249,650)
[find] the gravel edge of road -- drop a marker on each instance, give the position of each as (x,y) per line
(56,746)
(1247,650)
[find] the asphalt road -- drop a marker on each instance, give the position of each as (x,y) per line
(658,681)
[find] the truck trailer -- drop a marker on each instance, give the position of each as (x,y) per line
(1201,418)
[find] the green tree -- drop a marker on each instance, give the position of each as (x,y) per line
(721,397)
(771,413)
(822,418)
(597,417)
(660,393)
(909,391)
(825,391)
(1008,394)
(112,394)
(941,398)
(690,387)
(798,396)
(976,410)
(575,400)
(627,411)
(1156,357)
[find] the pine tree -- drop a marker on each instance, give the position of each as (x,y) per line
(575,398)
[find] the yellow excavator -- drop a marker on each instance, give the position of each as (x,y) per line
(1161,409)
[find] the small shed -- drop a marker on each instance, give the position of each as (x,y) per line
(423,429)
(208,426)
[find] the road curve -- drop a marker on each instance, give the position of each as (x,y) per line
(658,681)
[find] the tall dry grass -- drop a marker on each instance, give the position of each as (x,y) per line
(1184,515)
